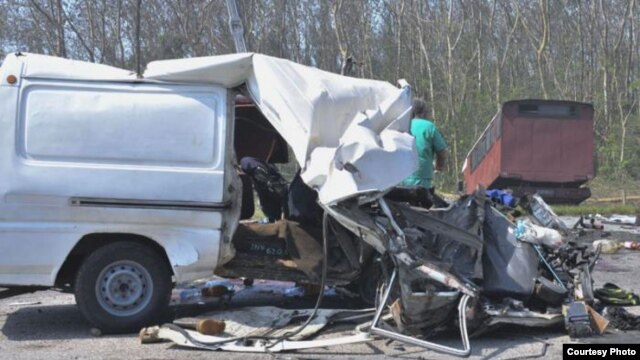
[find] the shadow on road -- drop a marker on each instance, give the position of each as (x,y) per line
(46,323)
(53,322)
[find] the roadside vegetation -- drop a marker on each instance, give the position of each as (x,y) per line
(592,209)
(464,58)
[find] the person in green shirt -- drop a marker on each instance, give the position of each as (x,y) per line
(430,145)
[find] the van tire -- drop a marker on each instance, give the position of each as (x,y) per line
(124,286)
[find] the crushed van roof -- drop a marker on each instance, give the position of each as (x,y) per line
(349,135)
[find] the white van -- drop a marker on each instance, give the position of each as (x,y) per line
(116,187)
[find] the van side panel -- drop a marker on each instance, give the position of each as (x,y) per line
(80,157)
(131,141)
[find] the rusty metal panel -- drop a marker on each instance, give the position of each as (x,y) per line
(538,145)
(487,171)
(547,141)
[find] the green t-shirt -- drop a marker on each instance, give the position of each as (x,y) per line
(429,141)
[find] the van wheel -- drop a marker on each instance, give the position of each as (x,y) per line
(123,286)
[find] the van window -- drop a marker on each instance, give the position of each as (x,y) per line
(121,124)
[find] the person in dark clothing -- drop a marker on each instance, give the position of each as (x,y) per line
(269,184)
(302,205)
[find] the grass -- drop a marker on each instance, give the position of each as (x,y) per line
(602,187)
(602,209)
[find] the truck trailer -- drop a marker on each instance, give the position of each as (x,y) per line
(536,146)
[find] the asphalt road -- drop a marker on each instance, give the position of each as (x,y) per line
(47,325)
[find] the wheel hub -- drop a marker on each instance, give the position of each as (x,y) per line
(124,288)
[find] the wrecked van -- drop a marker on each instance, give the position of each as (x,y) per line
(116,187)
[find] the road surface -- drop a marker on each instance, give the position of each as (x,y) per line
(47,325)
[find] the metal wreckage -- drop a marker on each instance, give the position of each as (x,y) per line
(473,265)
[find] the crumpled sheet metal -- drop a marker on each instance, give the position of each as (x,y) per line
(198,341)
(263,321)
(524,317)
(521,317)
(342,130)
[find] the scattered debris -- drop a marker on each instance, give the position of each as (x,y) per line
(257,329)
(210,326)
(632,245)
(532,269)
(215,291)
(617,219)
(623,219)
(149,335)
(598,321)
(607,246)
(612,294)
(577,320)
(534,234)
(193,339)
(621,319)
(538,210)
(513,312)
(211,291)
(590,223)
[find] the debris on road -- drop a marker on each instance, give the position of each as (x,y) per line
(577,320)
(215,291)
(258,329)
(620,219)
(615,219)
(149,335)
(591,223)
(607,246)
(539,235)
(494,264)
(612,294)
(210,326)
(621,319)
(632,245)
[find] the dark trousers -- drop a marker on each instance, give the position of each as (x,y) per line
(269,184)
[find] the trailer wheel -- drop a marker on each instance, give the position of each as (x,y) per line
(123,286)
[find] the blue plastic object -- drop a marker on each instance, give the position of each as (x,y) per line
(502,197)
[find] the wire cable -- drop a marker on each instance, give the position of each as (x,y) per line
(287,335)
(323,280)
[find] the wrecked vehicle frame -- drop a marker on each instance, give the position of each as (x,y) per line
(442,259)
(424,292)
